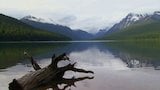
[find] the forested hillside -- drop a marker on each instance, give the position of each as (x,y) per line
(14,30)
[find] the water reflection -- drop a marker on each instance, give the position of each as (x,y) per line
(67,83)
(136,64)
(94,58)
(12,53)
(137,55)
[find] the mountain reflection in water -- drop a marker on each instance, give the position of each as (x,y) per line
(137,55)
(136,65)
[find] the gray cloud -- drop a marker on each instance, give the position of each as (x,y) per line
(67,20)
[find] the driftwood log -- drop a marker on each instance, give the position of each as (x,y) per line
(47,77)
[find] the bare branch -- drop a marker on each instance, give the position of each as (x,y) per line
(72,67)
(33,62)
(55,60)
(73,80)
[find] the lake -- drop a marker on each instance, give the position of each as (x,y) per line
(116,65)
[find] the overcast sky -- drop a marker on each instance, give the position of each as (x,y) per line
(89,15)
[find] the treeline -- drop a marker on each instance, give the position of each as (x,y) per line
(14,30)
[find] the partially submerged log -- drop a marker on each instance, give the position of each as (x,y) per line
(47,77)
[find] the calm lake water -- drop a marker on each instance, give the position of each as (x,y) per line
(117,66)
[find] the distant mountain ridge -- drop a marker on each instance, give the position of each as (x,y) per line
(101,32)
(136,26)
(33,28)
(50,26)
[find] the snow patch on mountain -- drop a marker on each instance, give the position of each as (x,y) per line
(131,18)
(32,18)
(157,12)
(41,20)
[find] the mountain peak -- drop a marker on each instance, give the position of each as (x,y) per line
(33,18)
(131,18)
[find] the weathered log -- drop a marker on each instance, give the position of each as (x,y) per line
(48,77)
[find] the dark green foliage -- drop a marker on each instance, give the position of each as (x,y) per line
(14,30)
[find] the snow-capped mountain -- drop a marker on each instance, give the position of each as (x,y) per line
(131,19)
(49,25)
(136,27)
(127,21)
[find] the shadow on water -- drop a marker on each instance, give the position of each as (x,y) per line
(137,54)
